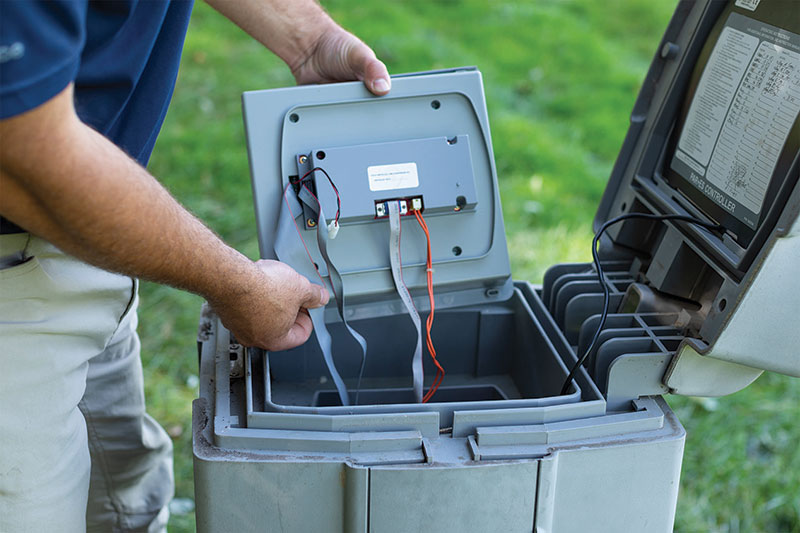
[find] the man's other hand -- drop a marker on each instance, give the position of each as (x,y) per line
(315,48)
(339,55)
(269,310)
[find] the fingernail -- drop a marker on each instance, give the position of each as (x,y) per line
(381,85)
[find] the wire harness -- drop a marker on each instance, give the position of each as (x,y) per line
(288,251)
(328,230)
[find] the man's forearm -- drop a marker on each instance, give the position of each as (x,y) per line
(290,28)
(69,184)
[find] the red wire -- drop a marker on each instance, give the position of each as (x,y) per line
(429,324)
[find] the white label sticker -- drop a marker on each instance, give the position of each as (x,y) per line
(757,125)
(716,90)
(748,4)
(742,113)
(391,177)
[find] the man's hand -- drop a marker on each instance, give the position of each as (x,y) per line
(271,314)
(339,56)
(316,48)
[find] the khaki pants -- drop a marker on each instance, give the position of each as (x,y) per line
(77,449)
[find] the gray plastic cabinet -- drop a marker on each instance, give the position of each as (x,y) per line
(499,447)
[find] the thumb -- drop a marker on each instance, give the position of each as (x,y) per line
(370,69)
(315,295)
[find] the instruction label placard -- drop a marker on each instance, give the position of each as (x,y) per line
(391,177)
(746,102)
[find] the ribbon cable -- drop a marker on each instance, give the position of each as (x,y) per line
(293,253)
(402,291)
(334,276)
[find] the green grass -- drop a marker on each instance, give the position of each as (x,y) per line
(561,78)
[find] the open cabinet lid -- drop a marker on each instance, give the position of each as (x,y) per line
(427,139)
(761,334)
(715,135)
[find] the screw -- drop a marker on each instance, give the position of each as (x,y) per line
(303,159)
(670,51)
(311,223)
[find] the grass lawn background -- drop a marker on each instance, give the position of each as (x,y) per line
(560,79)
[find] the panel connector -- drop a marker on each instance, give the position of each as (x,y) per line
(408,205)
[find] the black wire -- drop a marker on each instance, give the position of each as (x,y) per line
(307,176)
(601,277)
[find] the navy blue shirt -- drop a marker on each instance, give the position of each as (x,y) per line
(123,56)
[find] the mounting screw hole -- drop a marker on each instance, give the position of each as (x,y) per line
(294,117)
(623,206)
(436,104)
(722,304)
(456,250)
(320,155)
